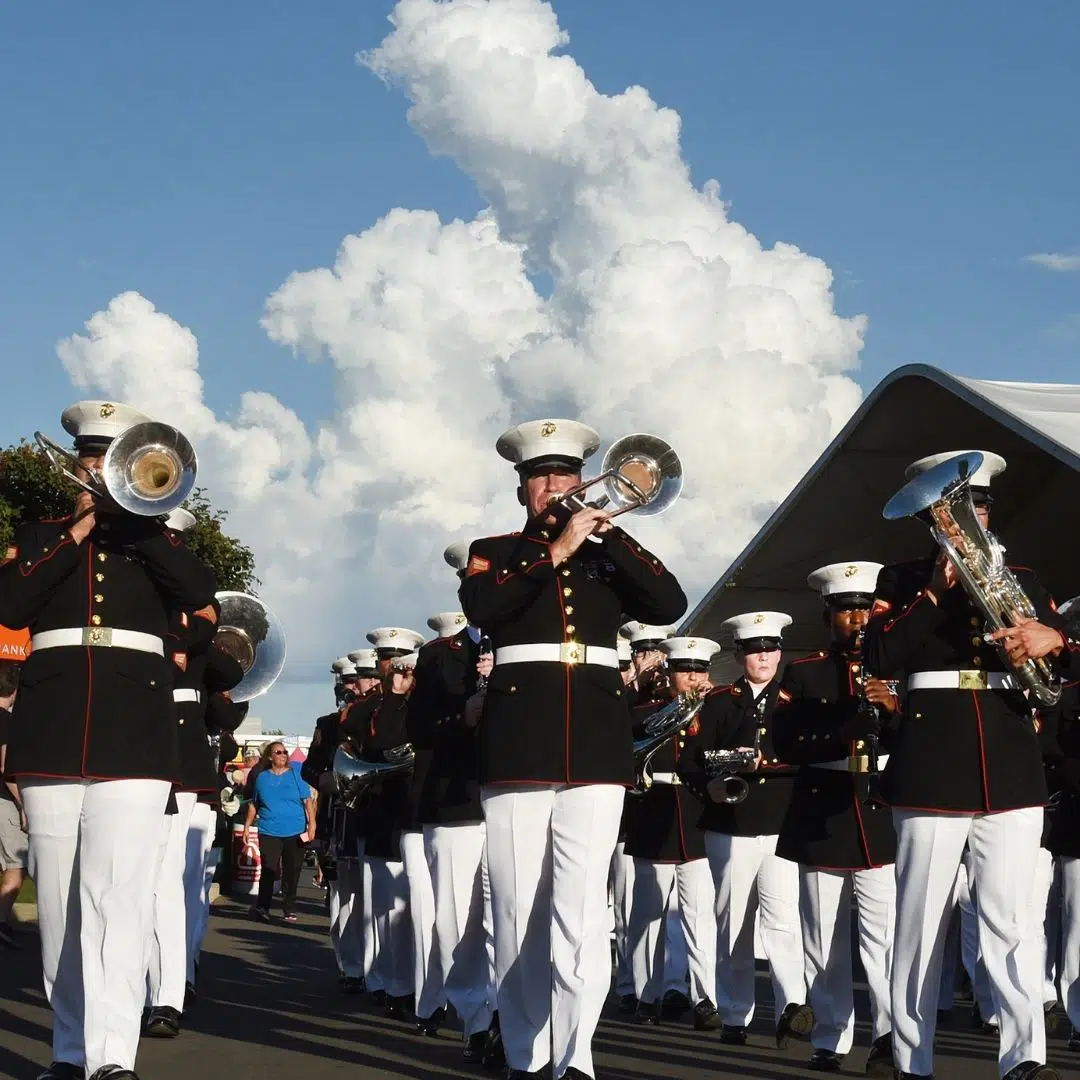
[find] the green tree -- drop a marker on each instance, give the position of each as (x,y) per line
(30,489)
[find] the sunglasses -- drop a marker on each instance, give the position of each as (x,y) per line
(277,753)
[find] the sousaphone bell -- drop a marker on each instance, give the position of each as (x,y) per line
(251,634)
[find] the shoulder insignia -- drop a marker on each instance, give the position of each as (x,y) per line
(695,726)
(477,565)
(784,696)
(880,607)
(180,660)
(736,691)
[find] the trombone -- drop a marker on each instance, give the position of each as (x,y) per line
(149,468)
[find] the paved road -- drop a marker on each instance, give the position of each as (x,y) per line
(270,1008)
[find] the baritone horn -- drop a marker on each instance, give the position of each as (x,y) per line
(252,635)
(941,497)
(149,468)
(354,777)
(640,473)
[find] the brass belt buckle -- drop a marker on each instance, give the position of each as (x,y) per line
(97,635)
(858,763)
(973,680)
(571,652)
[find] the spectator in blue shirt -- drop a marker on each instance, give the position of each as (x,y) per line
(286,821)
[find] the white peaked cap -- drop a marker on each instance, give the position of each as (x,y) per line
(622,647)
(457,554)
(100,419)
(841,578)
(365,660)
(539,439)
(395,637)
(180,520)
(757,624)
(992,465)
(404,663)
(698,649)
(448,623)
(637,632)
(343,666)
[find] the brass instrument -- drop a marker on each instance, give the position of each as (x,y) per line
(251,634)
(726,765)
(354,777)
(660,726)
(942,497)
(149,468)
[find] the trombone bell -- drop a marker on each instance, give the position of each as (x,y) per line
(149,469)
(251,634)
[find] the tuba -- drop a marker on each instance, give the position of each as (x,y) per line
(251,634)
(354,777)
(149,468)
(942,495)
(660,726)
(640,472)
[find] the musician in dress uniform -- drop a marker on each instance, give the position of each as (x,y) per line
(741,837)
(965,768)
(647,658)
(556,749)
(827,721)
(447,795)
(669,852)
(94,747)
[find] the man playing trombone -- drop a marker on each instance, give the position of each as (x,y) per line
(556,752)
(94,740)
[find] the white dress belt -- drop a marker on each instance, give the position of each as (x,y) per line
(568,652)
(843,764)
(101,637)
(962,680)
(667,778)
(186,693)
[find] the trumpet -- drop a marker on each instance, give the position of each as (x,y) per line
(725,765)
(640,472)
(354,777)
(149,468)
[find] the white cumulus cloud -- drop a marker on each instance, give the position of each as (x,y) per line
(1055,261)
(659,313)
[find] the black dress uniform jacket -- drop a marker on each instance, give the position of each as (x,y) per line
(661,822)
(96,712)
(446,781)
(1061,750)
(733,717)
(551,722)
(388,813)
(956,751)
(317,770)
(831,822)
(207,671)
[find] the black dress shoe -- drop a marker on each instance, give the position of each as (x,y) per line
(575,1074)
(62,1070)
(674,1005)
(1032,1070)
(351,984)
(162,1023)
(796,1021)
(824,1061)
(879,1062)
(733,1035)
(494,1057)
(378,997)
(431,1025)
(474,1048)
(987,1027)
(113,1072)
(648,1012)
(706,1018)
(627,1004)
(397,1008)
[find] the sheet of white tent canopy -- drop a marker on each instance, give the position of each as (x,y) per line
(834,514)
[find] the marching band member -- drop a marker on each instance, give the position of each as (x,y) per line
(647,658)
(94,745)
(826,720)
(741,838)
(556,752)
(669,854)
(965,768)
(447,784)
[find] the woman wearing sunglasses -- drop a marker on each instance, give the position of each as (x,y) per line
(286,820)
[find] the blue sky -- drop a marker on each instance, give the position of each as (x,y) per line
(201,153)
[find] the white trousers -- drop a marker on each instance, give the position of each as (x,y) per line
(1069,966)
(427,974)
(456,857)
(970,955)
(654,886)
(390,910)
(549,851)
(1046,904)
(1003,854)
(347,917)
(621,888)
(94,849)
(825,907)
(750,880)
(369,928)
(199,866)
(676,959)
(167,946)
